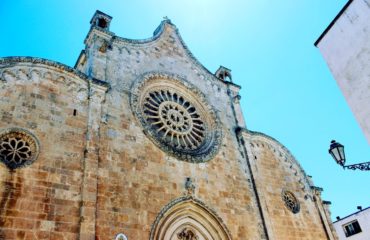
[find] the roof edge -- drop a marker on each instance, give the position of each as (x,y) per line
(51,63)
(158,32)
(289,153)
(352,214)
(333,22)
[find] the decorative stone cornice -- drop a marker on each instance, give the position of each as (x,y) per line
(11,61)
(33,60)
(280,149)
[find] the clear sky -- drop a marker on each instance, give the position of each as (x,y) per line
(287,89)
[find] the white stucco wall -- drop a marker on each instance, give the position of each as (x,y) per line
(346,49)
(363,219)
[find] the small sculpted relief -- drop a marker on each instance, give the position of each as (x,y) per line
(189,186)
(187,234)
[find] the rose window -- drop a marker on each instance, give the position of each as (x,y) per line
(17,148)
(176,117)
(290,201)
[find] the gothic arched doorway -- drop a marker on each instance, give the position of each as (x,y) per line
(188,219)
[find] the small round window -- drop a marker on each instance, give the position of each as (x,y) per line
(17,148)
(290,201)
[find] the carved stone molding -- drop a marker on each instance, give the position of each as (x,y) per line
(38,75)
(188,213)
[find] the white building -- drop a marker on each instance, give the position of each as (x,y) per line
(345,48)
(355,226)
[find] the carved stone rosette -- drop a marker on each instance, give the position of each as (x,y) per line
(176,117)
(18,148)
(290,201)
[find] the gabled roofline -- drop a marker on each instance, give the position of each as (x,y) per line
(158,32)
(333,22)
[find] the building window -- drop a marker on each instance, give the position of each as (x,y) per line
(175,119)
(290,201)
(352,228)
(18,148)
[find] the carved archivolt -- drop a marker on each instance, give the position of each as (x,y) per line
(18,148)
(188,219)
(177,117)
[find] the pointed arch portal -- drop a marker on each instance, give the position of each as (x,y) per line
(188,219)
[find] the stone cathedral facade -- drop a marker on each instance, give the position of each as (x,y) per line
(140,141)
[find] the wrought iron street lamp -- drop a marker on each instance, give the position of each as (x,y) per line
(336,150)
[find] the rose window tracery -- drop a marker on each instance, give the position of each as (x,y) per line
(290,201)
(17,148)
(176,117)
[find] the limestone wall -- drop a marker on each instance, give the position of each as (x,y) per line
(278,176)
(136,178)
(104,167)
(42,200)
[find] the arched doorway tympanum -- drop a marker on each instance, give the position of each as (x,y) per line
(188,219)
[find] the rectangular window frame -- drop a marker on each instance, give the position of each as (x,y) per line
(351,228)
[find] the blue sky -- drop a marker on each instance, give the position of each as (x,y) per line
(287,89)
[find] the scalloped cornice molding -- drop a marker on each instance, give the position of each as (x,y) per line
(253,135)
(9,61)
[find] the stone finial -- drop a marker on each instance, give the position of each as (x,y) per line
(101,20)
(189,186)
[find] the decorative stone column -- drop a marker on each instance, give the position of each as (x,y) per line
(97,92)
(233,91)
(323,216)
(265,227)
